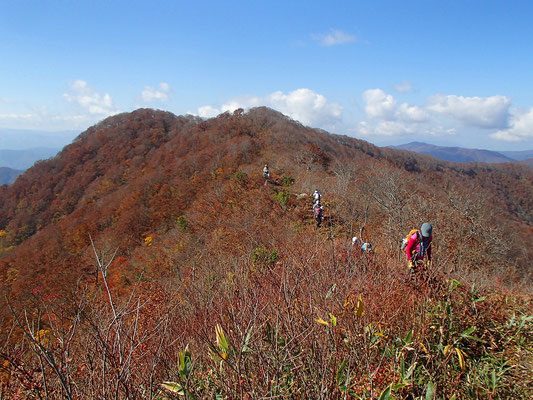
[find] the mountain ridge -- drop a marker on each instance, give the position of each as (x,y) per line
(457,154)
(154,238)
(97,165)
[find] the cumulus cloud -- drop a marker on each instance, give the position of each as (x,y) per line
(411,113)
(402,128)
(91,101)
(208,112)
(150,94)
(520,127)
(442,115)
(481,112)
(334,37)
(385,128)
(386,117)
(381,105)
(304,105)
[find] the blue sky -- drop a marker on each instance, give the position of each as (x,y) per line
(390,72)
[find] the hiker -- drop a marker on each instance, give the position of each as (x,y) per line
(316,197)
(365,246)
(318,210)
(266,172)
(418,248)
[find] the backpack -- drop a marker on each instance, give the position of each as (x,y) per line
(405,240)
(421,247)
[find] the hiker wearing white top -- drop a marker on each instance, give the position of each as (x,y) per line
(316,197)
(266,172)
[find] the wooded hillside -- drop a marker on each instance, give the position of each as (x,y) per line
(153,232)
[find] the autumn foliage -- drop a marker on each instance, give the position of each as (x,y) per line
(150,259)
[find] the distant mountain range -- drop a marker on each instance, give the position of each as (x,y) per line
(518,155)
(16,155)
(8,175)
(24,159)
(460,154)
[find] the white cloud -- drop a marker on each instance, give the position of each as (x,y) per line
(334,37)
(520,127)
(401,128)
(208,112)
(482,112)
(403,87)
(381,105)
(43,119)
(150,94)
(18,117)
(304,105)
(90,100)
(411,113)
(385,128)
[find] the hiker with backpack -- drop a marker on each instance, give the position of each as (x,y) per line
(317,196)
(318,211)
(365,246)
(266,172)
(417,246)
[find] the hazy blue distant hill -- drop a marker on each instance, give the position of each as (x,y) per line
(458,154)
(8,175)
(518,155)
(24,159)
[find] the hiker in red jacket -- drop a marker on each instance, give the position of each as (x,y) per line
(418,248)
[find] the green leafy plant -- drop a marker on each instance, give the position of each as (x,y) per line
(282,198)
(261,255)
(183,225)
(287,180)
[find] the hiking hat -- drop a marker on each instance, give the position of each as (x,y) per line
(426,229)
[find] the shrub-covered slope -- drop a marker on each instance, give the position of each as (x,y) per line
(151,230)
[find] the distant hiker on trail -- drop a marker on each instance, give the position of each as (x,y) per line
(365,246)
(266,172)
(318,210)
(316,197)
(417,246)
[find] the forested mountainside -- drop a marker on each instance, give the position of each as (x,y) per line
(151,230)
